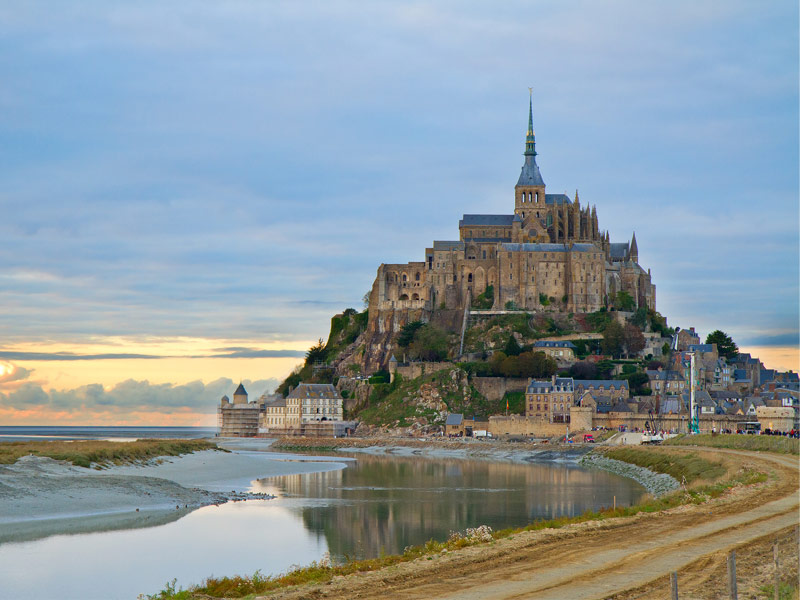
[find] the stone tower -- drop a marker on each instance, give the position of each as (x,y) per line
(529,191)
(240,395)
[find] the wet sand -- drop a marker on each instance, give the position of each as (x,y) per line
(41,497)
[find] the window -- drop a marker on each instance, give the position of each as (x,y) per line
(416,277)
(469,278)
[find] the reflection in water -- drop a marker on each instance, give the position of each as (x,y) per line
(384,504)
(376,503)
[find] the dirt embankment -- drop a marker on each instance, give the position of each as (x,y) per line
(621,558)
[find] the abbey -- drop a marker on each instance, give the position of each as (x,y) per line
(550,254)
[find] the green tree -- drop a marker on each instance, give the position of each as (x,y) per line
(430,344)
(544,300)
(407,333)
(640,318)
(512,347)
(316,353)
(725,344)
(624,301)
(536,364)
(613,339)
(496,362)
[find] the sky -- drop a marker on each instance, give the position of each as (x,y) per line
(189,191)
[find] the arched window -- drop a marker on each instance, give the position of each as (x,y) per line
(404,278)
(469,278)
(416,277)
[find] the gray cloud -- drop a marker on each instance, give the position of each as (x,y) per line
(240,170)
(132,395)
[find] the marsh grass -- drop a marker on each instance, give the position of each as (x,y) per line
(762,443)
(101,453)
(705,474)
(683,467)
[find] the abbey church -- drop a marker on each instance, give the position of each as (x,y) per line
(550,254)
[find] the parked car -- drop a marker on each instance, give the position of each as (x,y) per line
(588,438)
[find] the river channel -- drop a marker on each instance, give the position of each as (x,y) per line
(372,504)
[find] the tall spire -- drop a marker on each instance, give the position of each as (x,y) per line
(530,140)
(530,175)
(634,249)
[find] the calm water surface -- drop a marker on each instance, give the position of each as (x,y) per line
(375,504)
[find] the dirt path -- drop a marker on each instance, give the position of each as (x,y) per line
(597,559)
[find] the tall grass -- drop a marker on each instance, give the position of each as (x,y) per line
(101,453)
(683,467)
(762,443)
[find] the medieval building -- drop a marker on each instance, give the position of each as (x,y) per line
(549,254)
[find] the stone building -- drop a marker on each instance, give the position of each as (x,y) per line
(549,254)
(309,409)
(550,400)
(240,417)
(316,402)
(560,350)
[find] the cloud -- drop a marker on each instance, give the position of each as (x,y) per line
(71,356)
(240,170)
(131,395)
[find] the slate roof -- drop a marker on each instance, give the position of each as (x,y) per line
(314,390)
(621,407)
(740,376)
(701,348)
(547,344)
(655,375)
(454,419)
(499,220)
(601,383)
(447,245)
(557,199)
(240,391)
(539,387)
(604,403)
(276,403)
(530,174)
(618,250)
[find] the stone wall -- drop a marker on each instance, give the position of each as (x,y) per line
(519,425)
(418,369)
(494,388)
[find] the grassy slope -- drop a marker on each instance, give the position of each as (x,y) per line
(768,443)
(85,453)
(391,403)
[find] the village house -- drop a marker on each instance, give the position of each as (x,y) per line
(559,350)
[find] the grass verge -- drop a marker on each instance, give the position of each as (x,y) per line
(760,443)
(703,473)
(683,467)
(101,453)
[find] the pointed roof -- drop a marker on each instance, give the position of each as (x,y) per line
(634,248)
(530,174)
(240,391)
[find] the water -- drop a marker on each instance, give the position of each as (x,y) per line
(375,504)
(122,434)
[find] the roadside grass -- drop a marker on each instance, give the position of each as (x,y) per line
(683,467)
(763,443)
(101,453)
(703,473)
(786,591)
